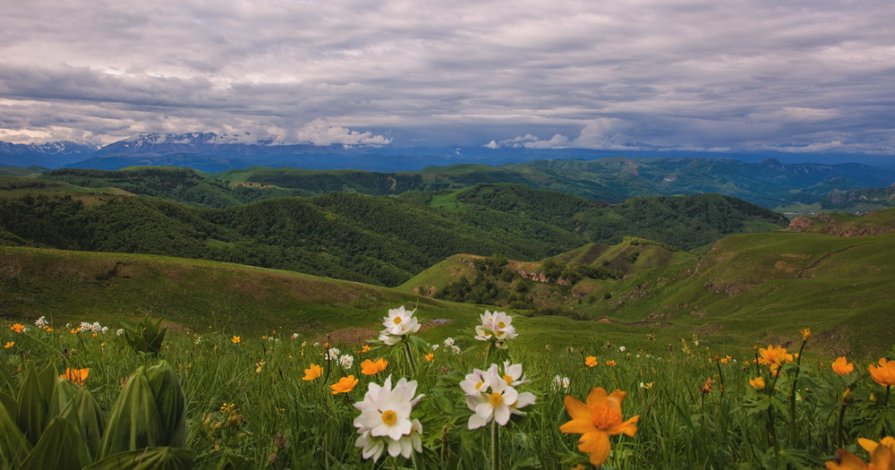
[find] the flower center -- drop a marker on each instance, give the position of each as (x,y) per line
(496,399)
(501,325)
(389,417)
(478,386)
(397,320)
(508,379)
(605,418)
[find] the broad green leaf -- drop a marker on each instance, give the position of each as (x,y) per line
(34,402)
(170,403)
(14,446)
(134,422)
(60,447)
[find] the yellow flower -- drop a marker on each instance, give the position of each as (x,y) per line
(882,456)
(600,418)
(884,374)
(429,357)
(774,357)
(806,334)
(365,349)
(590,361)
(842,367)
(75,331)
(313,372)
(368,367)
(77,376)
(726,359)
(344,385)
(259,366)
(611,363)
(17,327)
(235,339)
(707,386)
(48,329)
(757,383)
(9,345)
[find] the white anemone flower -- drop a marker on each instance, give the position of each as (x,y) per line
(398,323)
(475,383)
(385,423)
(512,374)
(496,326)
(346,361)
(333,354)
(496,401)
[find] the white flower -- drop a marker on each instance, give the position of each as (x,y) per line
(560,383)
(41,322)
(455,349)
(119,332)
(333,353)
(491,397)
(105,329)
(198,339)
(384,421)
(294,336)
(512,374)
(448,342)
(435,347)
(398,323)
(497,327)
(621,349)
(346,361)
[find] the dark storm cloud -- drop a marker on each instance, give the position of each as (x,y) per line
(719,74)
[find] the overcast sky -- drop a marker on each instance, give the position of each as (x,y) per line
(668,74)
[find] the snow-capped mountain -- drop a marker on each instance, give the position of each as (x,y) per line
(47,154)
(191,142)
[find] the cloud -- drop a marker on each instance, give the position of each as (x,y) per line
(611,74)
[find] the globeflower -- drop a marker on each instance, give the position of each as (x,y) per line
(774,357)
(600,418)
(841,366)
(884,373)
(313,372)
(368,367)
(757,383)
(76,376)
(17,327)
(496,327)
(9,344)
(385,420)
(235,339)
(590,361)
(882,456)
(344,385)
(398,324)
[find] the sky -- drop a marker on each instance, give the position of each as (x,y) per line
(715,75)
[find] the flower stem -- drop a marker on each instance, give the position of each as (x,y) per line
(495,443)
(793,431)
(409,358)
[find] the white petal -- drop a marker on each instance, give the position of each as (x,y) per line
(502,415)
(394,448)
(476,421)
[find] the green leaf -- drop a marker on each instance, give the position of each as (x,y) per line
(170,403)
(60,447)
(34,402)
(160,458)
(134,422)
(14,446)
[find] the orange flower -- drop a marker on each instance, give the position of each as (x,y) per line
(774,357)
(806,334)
(726,359)
(611,363)
(235,339)
(600,418)
(313,372)
(884,374)
(365,349)
(344,385)
(590,361)
(17,327)
(707,386)
(882,456)
(842,367)
(77,376)
(368,367)
(429,357)
(9,345)
(757,383)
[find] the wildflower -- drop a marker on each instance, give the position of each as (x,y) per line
(474,383)
(590,361)
(119,332)
(882,456)
(41,322)
(560,383)
(259,366)
(385,422)
(344,385)
(806,334)
(455,349)
(48,329)
(497,327)
(332,354)
(76,376)
(74,331)
(621,349)
(294,336)
(757,383)
(429,357)
(398,323)
(435,347)
(600,418)
(448,342)
(235,339)
(841,366)
(368,367)
(498,405)
(707,386)
(313,372)
(512,374)
(9,344)
(774,357)
(611,363)
(17,327)
(365,349)
(884,373)
(346,361)
(726,359)
(646,386)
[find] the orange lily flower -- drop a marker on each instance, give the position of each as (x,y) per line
(600,418)
(368,367)
(76,376)
(884,374)
(841,366)
(344,385)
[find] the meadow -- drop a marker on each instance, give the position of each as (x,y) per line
(257,401)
